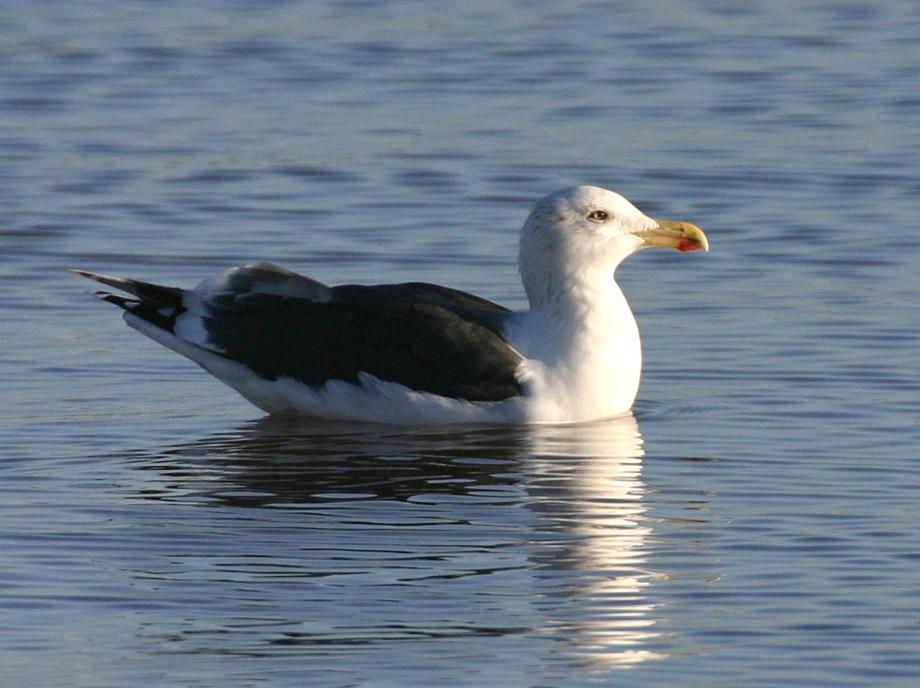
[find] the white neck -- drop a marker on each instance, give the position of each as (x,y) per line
(583,349)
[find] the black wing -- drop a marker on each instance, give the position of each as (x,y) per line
(280,324)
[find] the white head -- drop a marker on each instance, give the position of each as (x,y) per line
(576,238)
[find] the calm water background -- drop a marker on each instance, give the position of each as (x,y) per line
(755,524)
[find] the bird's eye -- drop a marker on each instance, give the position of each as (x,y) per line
(598,215)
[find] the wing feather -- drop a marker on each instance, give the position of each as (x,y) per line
(399,333)
(281,324)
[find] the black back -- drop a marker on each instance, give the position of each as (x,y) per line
(423,336)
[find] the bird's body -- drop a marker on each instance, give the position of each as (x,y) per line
(421,353)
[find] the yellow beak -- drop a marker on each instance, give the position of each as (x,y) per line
(675,234)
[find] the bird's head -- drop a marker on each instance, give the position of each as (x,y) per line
(583,233)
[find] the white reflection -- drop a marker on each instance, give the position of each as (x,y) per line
(578,559)
(586,483)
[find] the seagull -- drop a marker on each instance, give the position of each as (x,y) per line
(418,353)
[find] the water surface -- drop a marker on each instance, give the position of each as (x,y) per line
(753,524)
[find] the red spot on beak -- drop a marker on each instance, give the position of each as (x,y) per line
(685,245)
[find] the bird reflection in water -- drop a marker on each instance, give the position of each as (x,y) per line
(581,547)
(585,481)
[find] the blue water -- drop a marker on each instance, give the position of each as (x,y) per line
(755,523)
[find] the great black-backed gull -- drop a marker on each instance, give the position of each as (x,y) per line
(422,353)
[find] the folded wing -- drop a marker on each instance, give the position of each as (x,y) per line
(283,325)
